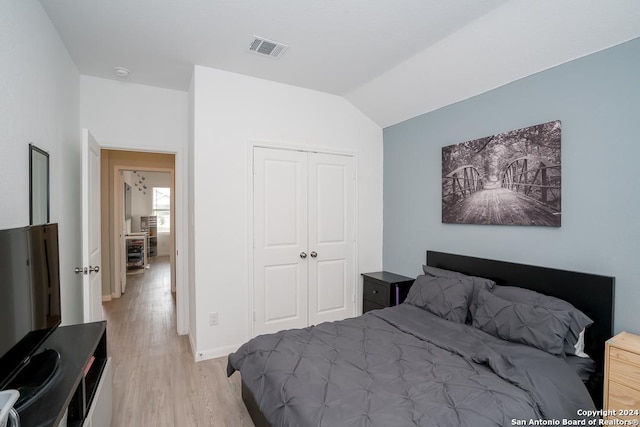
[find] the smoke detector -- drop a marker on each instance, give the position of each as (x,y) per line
(266,47)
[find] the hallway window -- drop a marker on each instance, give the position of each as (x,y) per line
(162,208)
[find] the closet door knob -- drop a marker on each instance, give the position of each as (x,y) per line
(303,255)
(313,254)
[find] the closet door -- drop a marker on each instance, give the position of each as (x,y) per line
(280,239)
(331,237)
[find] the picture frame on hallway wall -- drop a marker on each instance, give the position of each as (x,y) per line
(510,178)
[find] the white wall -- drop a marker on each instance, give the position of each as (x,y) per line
(230,110)
(142,204)
(126,115)
(39,97)
(123,115)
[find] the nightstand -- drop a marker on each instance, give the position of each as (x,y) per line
(383,289)
(622,376)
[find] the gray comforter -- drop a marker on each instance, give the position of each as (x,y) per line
(403,366)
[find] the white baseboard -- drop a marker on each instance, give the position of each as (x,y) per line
(106,298)
(214,352)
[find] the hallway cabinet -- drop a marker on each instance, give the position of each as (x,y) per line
(136,252)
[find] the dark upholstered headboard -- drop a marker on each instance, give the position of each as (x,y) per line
(592,294)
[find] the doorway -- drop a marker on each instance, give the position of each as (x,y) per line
(147,175)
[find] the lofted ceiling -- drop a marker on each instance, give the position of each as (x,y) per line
(393,59)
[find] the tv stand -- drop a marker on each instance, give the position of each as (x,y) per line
(79,391)
(35,377)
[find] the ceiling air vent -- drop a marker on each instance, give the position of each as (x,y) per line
(262,46)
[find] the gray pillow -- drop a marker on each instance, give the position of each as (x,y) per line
(478,283)
(445,297)
(579,320)
(533,325)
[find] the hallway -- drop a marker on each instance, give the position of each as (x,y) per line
(156,382)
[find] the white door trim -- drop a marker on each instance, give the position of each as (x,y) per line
(91,229)
(180,250)
(250,229)
(118,208)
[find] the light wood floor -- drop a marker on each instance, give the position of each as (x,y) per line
(156,382)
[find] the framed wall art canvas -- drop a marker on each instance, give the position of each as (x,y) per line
(511,178)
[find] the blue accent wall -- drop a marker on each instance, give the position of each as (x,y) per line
(597,98)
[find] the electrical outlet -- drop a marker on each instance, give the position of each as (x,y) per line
(213,319)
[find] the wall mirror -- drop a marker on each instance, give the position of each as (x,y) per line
(38,185)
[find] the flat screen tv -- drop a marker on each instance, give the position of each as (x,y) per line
(29,296)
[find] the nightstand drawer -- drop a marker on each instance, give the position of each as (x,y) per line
(623,372)
(622,397)
(622,375)
(376,292)
(368,305)
(625,356)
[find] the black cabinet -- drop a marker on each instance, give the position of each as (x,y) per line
(383,289)
(81,384)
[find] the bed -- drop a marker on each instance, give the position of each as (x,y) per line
(412,365)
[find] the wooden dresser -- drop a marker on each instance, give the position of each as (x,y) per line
(622,376)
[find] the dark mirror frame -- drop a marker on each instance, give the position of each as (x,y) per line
(38,160)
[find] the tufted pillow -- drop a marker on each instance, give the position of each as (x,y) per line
(445,297)
(574,341)
(478,283)
(533,325)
